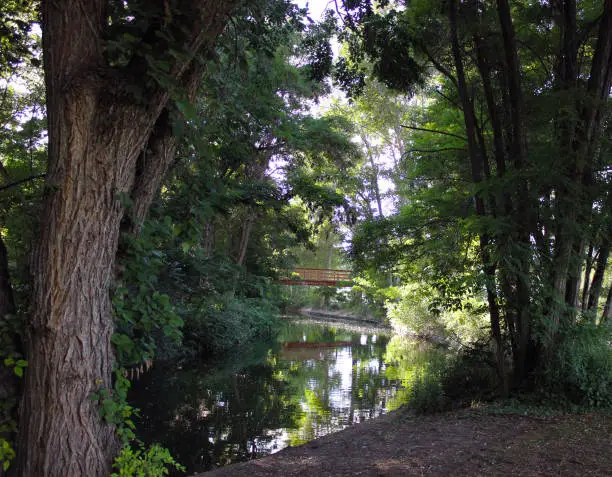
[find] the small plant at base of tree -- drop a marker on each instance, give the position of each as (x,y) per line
(141,462)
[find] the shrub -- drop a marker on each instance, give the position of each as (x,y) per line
(141,462)
(427,394)
(411,314)
(220,324)
(416,311)
(580,368)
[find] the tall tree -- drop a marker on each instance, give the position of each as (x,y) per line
(532,207)
(111,69)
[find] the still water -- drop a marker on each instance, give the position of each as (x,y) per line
(314,379)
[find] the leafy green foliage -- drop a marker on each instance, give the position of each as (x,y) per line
(141,462)
(142,313)
(493,196)
(417,311)
(17,43)
(7,454)
(218,325)
(114,407)
(16,365)
(581,367)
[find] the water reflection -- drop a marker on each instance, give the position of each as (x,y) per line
(311,381)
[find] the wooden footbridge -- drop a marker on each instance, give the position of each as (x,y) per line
(315,277)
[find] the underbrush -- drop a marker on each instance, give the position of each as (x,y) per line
(221,324)
(460,380)
(575,378)
(579,371)
(435,378)
(416,311)
(574,372)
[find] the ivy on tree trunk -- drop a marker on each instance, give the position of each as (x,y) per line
(98,129)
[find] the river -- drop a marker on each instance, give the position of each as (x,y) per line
(313,379)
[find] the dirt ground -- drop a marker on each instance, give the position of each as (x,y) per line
(462,443)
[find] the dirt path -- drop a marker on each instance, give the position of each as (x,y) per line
(463,443)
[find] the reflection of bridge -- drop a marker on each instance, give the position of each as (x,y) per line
(302,350)
(314,276)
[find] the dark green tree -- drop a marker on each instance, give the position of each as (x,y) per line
(528,146)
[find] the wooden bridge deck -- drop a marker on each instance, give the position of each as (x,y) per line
(314,276)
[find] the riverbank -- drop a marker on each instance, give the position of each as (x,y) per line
(342,315)
(345,322)
(471,442)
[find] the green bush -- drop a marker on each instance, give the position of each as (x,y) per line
(581,366)
(435,379)
(411,313)
(141,462)
(427,394)
(470,375)
(221,324)
(415,310)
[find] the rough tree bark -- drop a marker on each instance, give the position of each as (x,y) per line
(96,134)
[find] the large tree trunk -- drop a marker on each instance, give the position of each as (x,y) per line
(95,138)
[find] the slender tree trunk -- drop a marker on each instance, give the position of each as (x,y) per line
(572,286)
(587,278)
(577,139)
(607,313)
(602,263)
(208,239)
(247,226)
(512,310)
(518,149)
(376,187)
(477,162)
(95,138)
(374,178)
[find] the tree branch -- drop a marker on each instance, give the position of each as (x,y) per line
(22,181)
(442,149)
(414,128)
(158,155)
(439,65)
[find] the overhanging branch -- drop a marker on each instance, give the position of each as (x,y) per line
(22,181)
(414,128)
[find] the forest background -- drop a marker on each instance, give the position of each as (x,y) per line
(162,164)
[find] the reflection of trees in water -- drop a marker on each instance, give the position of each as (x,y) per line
(370,389)
(364,397)
(411,362)
(313,384)
(245,409)
(223,418)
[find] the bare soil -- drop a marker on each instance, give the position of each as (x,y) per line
(461,443)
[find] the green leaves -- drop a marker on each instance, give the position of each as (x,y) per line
(7,453)
(114,407)
(141,311)
(140,462)
(18,365)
